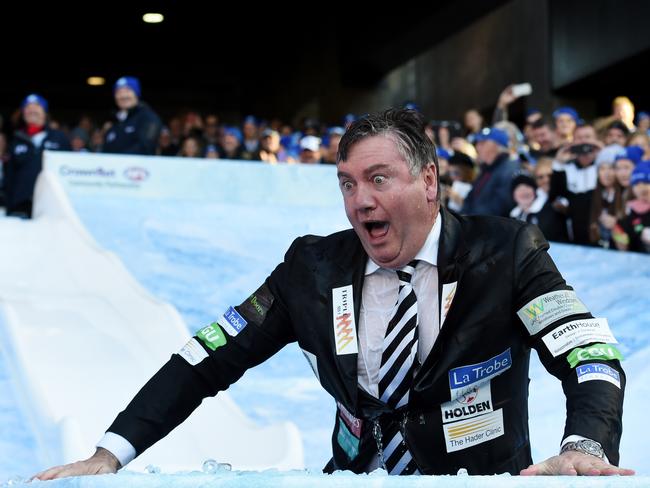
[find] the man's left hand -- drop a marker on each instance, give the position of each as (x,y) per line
(572,463)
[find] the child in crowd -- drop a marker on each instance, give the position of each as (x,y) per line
(632,233)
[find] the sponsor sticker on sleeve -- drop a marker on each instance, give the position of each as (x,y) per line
(471,432)
(603,352)
(256,306)
(212,336)
(601,372)
(464,378)
(546,309)
(345,329)
(232,322)
(193,352)
(577,333)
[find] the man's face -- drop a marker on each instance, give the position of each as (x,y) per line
(309,157)
(615,136)
(211,125)
(565,124)
(585,135)
(544,137)
(391,211)
(34,114)
(230,142)
(125,98)
(250,130)
(487,151)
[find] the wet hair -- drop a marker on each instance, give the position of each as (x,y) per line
(404,126)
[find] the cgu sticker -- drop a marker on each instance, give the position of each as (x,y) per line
(604,352)
(212,336)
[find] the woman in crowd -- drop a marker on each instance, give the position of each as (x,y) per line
(606,204)
(530,193)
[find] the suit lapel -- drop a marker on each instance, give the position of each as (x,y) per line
(452,252)
(344,309)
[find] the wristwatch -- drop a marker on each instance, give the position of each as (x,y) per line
(585,445)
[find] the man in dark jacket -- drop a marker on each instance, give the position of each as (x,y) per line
(491,194)
(26,154)
(136,128)
(418,322)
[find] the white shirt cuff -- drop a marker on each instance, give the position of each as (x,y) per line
(576,438)
(118,446)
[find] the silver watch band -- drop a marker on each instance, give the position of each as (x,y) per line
(586,446)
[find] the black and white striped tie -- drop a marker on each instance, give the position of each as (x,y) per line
(400,344)
(398,363)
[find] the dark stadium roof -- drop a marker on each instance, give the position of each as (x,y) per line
(214,54)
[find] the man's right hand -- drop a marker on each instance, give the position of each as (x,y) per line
(101,462)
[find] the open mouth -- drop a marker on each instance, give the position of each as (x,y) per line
(377,228)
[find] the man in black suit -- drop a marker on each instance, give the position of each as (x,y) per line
(417,321)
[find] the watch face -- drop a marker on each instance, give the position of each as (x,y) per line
(591,447)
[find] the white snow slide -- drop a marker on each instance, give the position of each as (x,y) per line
(82,336)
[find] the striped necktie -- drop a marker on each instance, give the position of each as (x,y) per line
(398,363)
(398,359)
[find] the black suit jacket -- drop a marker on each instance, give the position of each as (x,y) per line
(468,405)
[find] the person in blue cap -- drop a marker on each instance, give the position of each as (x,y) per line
(491,193)
(251,143)
(643,122)
(30,139)
(231,143)
(137,127)
(566,120)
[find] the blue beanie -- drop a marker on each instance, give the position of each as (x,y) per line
(235,132)
(641,173)
(493,134)
(250,119)
(633,153)
(411,106)
(35,98)
(348,119)
(532,111)
(129,82)
(642,115)
(443,153)
(570,111)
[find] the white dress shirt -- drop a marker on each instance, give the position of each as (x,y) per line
(378,299)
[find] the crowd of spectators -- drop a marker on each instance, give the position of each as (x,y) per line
(582,182)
